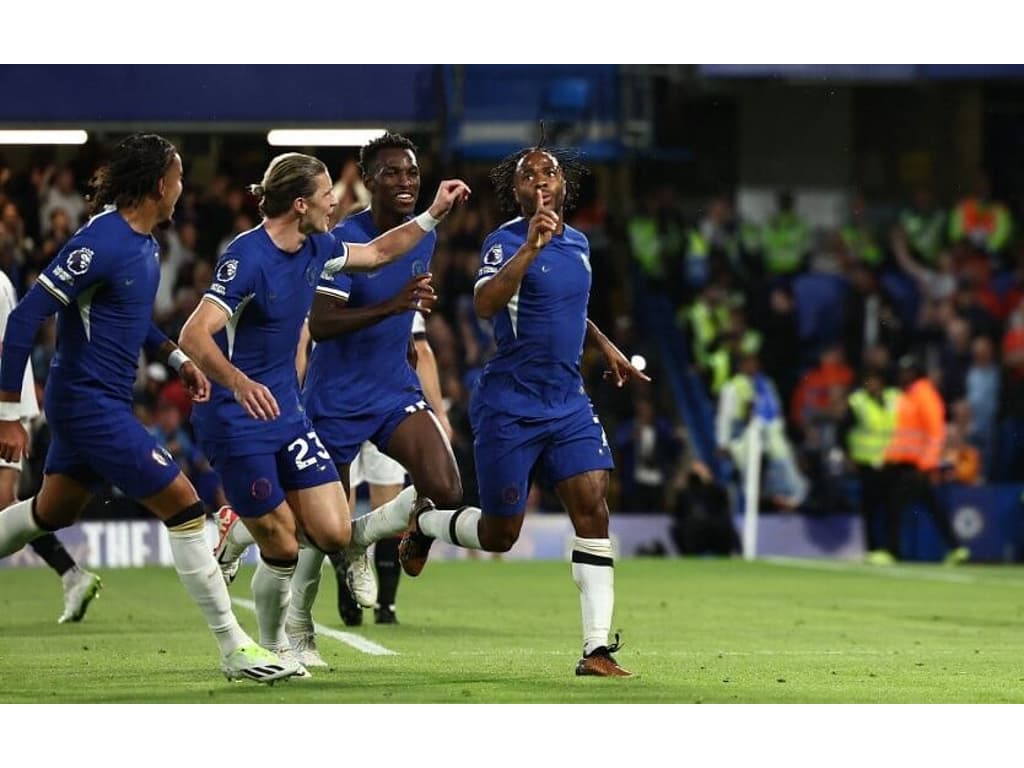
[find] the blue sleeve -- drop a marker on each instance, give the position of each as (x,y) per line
(498,248)
(337,286)
(155,339)
(78,266)
(19,338)
(234,281)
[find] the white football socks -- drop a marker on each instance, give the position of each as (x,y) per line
(390,519)
(594,573)
(18,527)
(270,590)
(437,523)
(305,586)
(201,577)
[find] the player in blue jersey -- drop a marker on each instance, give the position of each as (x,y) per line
(102,285)
(276,472)
(530,408)
(80,586)
(359,385)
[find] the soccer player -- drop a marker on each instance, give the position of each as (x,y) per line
(277,474)
(102,285)
(386,478)
(80,586)
(530,406)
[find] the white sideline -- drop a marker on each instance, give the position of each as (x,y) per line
(358,642)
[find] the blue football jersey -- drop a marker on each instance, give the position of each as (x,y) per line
(267,293)
(535,372)
(355,372)
(106,277)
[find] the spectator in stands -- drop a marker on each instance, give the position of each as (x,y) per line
(924,224)
(983,398)
(981,221)
(961,461)
(785,239)
(749,402)
(814,396)
(858,236)
(57,192)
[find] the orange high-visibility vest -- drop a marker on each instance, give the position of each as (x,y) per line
(920,427)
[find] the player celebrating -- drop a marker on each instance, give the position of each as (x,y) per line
(103,283)
(80,586)
(530,404)
(276,472)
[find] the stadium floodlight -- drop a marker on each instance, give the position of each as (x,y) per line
(43,137)
(322,137)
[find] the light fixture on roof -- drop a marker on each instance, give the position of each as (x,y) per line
(12,136)
(322,137)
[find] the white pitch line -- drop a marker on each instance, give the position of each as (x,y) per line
(358,642)
(893,572)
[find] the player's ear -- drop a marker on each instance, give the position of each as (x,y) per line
(299,206)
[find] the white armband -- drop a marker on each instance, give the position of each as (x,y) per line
(10,411)
(176,359)
(426,221)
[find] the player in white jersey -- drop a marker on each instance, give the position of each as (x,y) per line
(80,586)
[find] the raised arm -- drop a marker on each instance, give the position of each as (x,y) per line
(197,341)
(491,294)
(389,246)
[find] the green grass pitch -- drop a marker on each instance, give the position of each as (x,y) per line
(490,631)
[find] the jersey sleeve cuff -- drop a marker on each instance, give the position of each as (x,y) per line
(332,292)
(219,302)
(56,292)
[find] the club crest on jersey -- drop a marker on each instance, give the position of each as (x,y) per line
(79,260)
(161,457)
(494,255)
(226,272)
(419,267)
(313,274)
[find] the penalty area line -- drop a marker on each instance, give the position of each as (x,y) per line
(351,639)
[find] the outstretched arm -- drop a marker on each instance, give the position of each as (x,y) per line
(387,247)
(621,369)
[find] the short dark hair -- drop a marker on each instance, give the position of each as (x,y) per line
(368,154)
(135,167)
(503,176)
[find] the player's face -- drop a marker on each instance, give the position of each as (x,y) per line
(539,170)
(395,183)
(318,208)
(171,185)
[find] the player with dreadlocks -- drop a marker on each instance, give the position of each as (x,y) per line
(530,407)
(102,285)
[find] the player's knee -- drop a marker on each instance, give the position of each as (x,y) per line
(333,539)
(500,540)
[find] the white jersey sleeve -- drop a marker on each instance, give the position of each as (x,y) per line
(29,406)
